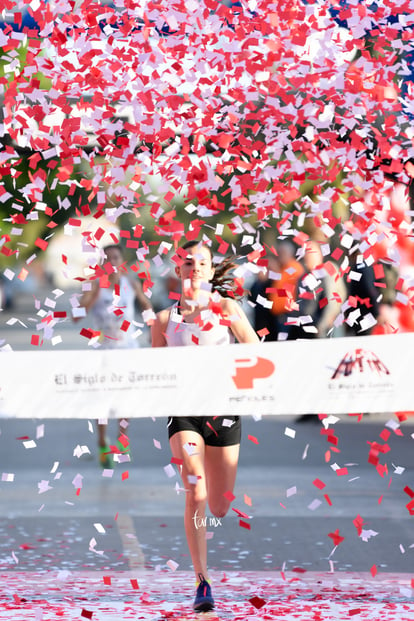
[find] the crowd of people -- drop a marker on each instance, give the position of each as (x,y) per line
(312,298)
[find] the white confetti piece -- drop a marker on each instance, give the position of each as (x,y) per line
(179,489)
(8,477)
(398,469)
(169,471)
(28,444)
(366,535)
(315,504)
(291,492)
(290,433)
(305,452)
(172,565)
(78,481)
(100,528)
(393,425)
(330,420)
(78,451)
(43,486)
(9,274)
(157,444)
(190,449)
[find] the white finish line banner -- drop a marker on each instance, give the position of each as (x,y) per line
(330,376)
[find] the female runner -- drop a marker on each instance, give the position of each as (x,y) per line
(209,468)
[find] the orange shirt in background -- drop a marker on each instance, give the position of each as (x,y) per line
(283,291)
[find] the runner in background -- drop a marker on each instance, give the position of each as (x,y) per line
(109,308)
(206,447)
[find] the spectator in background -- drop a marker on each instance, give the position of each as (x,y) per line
(389,312)
(319,299)
(109,307)
(283,290)
(363,308)
(262,314)
(320,294)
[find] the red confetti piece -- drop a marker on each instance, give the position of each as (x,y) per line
(240,513)
(253,439)
(134,583)
(244,524)
(86,613)
(125,475)
(229,496)
(358,522)
(410,507)
(41,243)
(257,602)
(107,580)
(336,537)
(374,571)
(86,333)
(342,472)
(379,271)
(319,484)
(409,491)
(337,254)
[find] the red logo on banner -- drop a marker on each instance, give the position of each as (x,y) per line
(250,369)
(360,361)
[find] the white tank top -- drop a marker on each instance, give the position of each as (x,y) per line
(211,332)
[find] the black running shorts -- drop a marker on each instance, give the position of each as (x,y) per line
(215,430)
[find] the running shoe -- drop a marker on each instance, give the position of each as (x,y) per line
(105,457)
(203,600)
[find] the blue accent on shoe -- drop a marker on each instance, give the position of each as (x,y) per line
(203,600)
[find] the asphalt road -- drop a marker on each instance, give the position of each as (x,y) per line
(60,512)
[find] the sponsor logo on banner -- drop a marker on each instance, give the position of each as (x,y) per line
(250,369)
(75,382)
(361,370)
(249,378)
